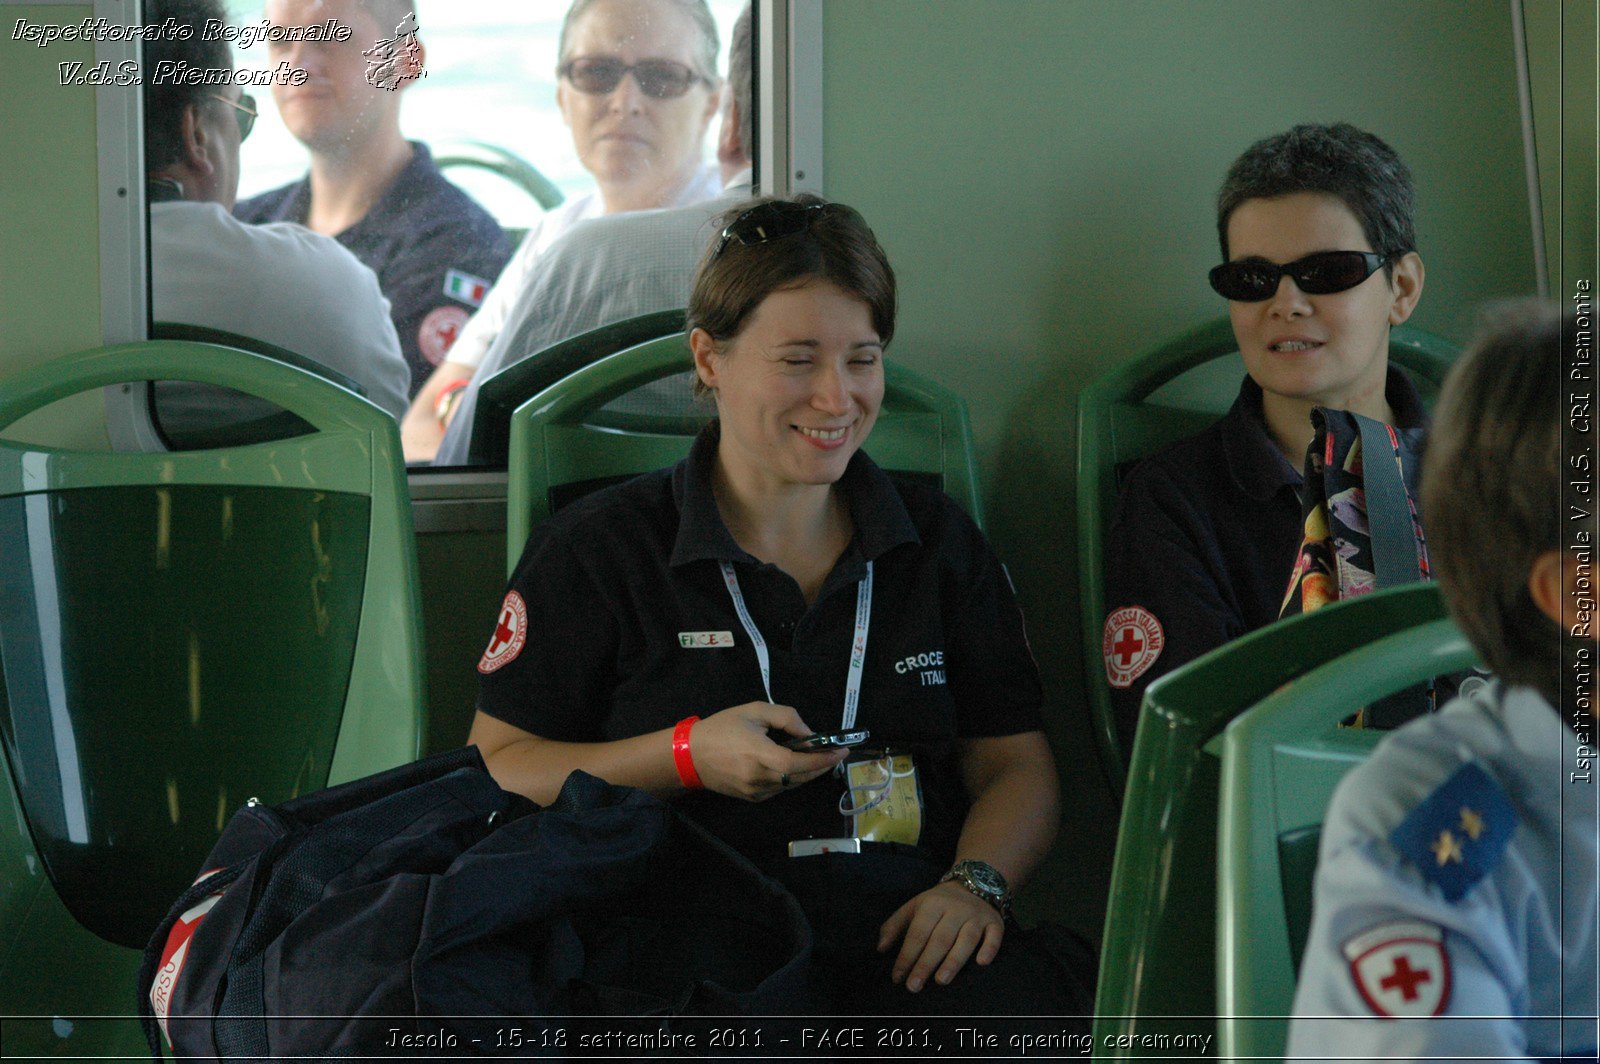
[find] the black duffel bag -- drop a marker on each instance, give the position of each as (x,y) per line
(425,907)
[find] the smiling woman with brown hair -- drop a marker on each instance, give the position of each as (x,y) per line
(777,582)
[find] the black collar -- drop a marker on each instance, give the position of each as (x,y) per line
(392,203)
(880,516)
(1259,469)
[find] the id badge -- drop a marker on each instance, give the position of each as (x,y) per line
(884,799)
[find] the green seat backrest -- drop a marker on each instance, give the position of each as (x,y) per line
(1159,939)
(1281,761)
(1139,408)
(231,433)
(1297,865)
(563,437)
(180,633)
(501,394)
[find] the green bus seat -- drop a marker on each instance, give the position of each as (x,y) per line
(180,633)
(564,442)
(1157,951)
(1139,408)
(1281,761)
(278,426)
(501,394)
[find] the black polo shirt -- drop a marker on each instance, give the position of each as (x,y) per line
(611,583)
(435,250)
(1200,552)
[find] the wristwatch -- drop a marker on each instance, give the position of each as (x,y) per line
(984,880)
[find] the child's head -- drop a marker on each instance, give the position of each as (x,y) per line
(1337,204)
(1491,490)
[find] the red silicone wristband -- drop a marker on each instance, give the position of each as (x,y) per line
(681,756)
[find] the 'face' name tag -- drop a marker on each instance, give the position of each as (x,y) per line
(704,640)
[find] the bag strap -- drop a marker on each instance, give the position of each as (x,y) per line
(296,884)
(1394,541)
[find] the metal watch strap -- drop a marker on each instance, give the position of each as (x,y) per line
(963,872)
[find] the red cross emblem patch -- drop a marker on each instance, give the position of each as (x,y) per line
(1131,644)
(510,633)
(1401,968)
(438,331)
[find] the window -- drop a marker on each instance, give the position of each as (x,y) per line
(482,96)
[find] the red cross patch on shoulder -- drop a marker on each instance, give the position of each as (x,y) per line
(510,633)
(438,331)
(1401,968)
(1131,644)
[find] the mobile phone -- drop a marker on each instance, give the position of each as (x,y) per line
(828,740)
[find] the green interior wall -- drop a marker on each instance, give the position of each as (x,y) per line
(1042,174)
(1566,84)
(49,231)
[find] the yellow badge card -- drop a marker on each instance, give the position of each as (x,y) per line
(889,799)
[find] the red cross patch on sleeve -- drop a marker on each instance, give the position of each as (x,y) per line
(438,331)
(1131,644)
(1401,968)
(510,633)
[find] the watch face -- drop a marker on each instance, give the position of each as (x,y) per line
(985,878)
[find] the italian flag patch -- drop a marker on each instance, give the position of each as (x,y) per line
(465,287)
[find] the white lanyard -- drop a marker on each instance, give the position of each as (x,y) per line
(858,645)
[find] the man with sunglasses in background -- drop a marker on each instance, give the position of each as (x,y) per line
(614,268)
(435,250)
(1319,262)
(281,284)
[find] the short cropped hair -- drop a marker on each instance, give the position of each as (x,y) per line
(1491,485)
(166,100)
(697,10)
(1366,174)
(836,246)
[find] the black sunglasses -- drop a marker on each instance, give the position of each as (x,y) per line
(772,220)
(1326,272)
(659,79)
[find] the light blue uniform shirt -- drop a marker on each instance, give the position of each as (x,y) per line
(1457,882)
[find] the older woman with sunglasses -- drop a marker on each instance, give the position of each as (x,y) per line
(684,632)
(637,85)
(1320,261)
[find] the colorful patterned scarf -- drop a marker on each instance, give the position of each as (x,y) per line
(1341,553)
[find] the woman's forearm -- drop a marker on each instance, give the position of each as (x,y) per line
(537,767)
(1016,806)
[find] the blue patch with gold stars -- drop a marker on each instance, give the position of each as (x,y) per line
(1459,831)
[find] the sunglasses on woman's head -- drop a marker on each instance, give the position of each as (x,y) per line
(659,79)
(774,220)
(1326,272)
